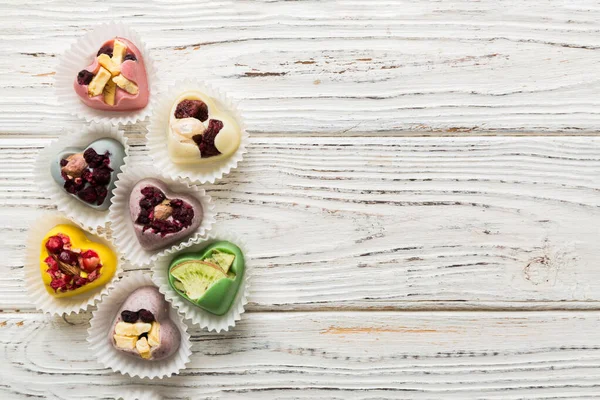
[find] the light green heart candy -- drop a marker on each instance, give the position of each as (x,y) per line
(209,278)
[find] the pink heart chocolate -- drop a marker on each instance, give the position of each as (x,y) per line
(129,68)
(161,217)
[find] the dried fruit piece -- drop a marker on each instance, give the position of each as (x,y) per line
(97,84)
(206,141)
(54,244)
(84,77)
(129,316)
(197,277)
(126,84)
(192,109)
(146,316)
(108,50)
(130,56)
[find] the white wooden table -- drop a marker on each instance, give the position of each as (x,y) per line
(421,197)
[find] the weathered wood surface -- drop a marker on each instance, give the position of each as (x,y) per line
(351,220)
(330,355)
(336,67)
(386,223)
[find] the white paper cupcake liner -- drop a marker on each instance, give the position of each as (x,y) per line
(33,278)
(157,135)
(81,54)
(196,315)
(107,355)
(122,226)
(66,203)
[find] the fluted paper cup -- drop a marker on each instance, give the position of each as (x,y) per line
(198,316)
(158,135)
(36,289)
(81,54)
(122,226)
(102,323)
(86,216)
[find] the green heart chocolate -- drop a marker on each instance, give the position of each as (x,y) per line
(209,278)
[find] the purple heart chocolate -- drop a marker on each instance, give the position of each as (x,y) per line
(142,327)
(161,217)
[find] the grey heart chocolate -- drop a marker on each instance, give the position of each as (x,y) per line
(160,215)
(101,146)
(147,320)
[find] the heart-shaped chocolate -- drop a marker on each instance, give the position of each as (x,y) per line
(161,217)
(72,264)
(116,80)
(210,278)
(142,327)
(199,131)
(89,174)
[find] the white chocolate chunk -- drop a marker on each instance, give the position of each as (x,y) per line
(107,62)
(125,84)
(125,342)
(97,84)
(228,139)
(119,50)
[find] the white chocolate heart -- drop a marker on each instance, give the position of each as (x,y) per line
(183,150)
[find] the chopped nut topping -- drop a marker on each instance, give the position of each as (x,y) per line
(76,164)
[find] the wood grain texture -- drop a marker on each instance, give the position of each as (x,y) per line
(386,223)
(335,67)
(463,355)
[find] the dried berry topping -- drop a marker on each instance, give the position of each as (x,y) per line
(84,77)
(65,266)
(206,141)
(129,316)
(54,244)
(107,49)
(192,109)
(181,213)
(146,316)
(87,175)
(130,56)
(68,257)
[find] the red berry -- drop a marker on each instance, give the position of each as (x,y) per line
(90,264)
(54,244)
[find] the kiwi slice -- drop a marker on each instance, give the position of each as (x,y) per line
(196,277)
(224,260)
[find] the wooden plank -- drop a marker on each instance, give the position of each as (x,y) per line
(354,355)
(385,223)
(346,66)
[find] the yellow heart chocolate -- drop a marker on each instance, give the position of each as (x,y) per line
(71,264)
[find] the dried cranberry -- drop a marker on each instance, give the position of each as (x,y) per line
(51,262)
(101,192)
(88,194)
(93,276)
(86,175)
(129,316)
(101,176)
(93,159)
(84,77)
(107,49)
(130,56)
(184,214)
(206,141)
(192,109)
(146,316)
(54,244)
(68,257)
(63,162)
(89,254)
